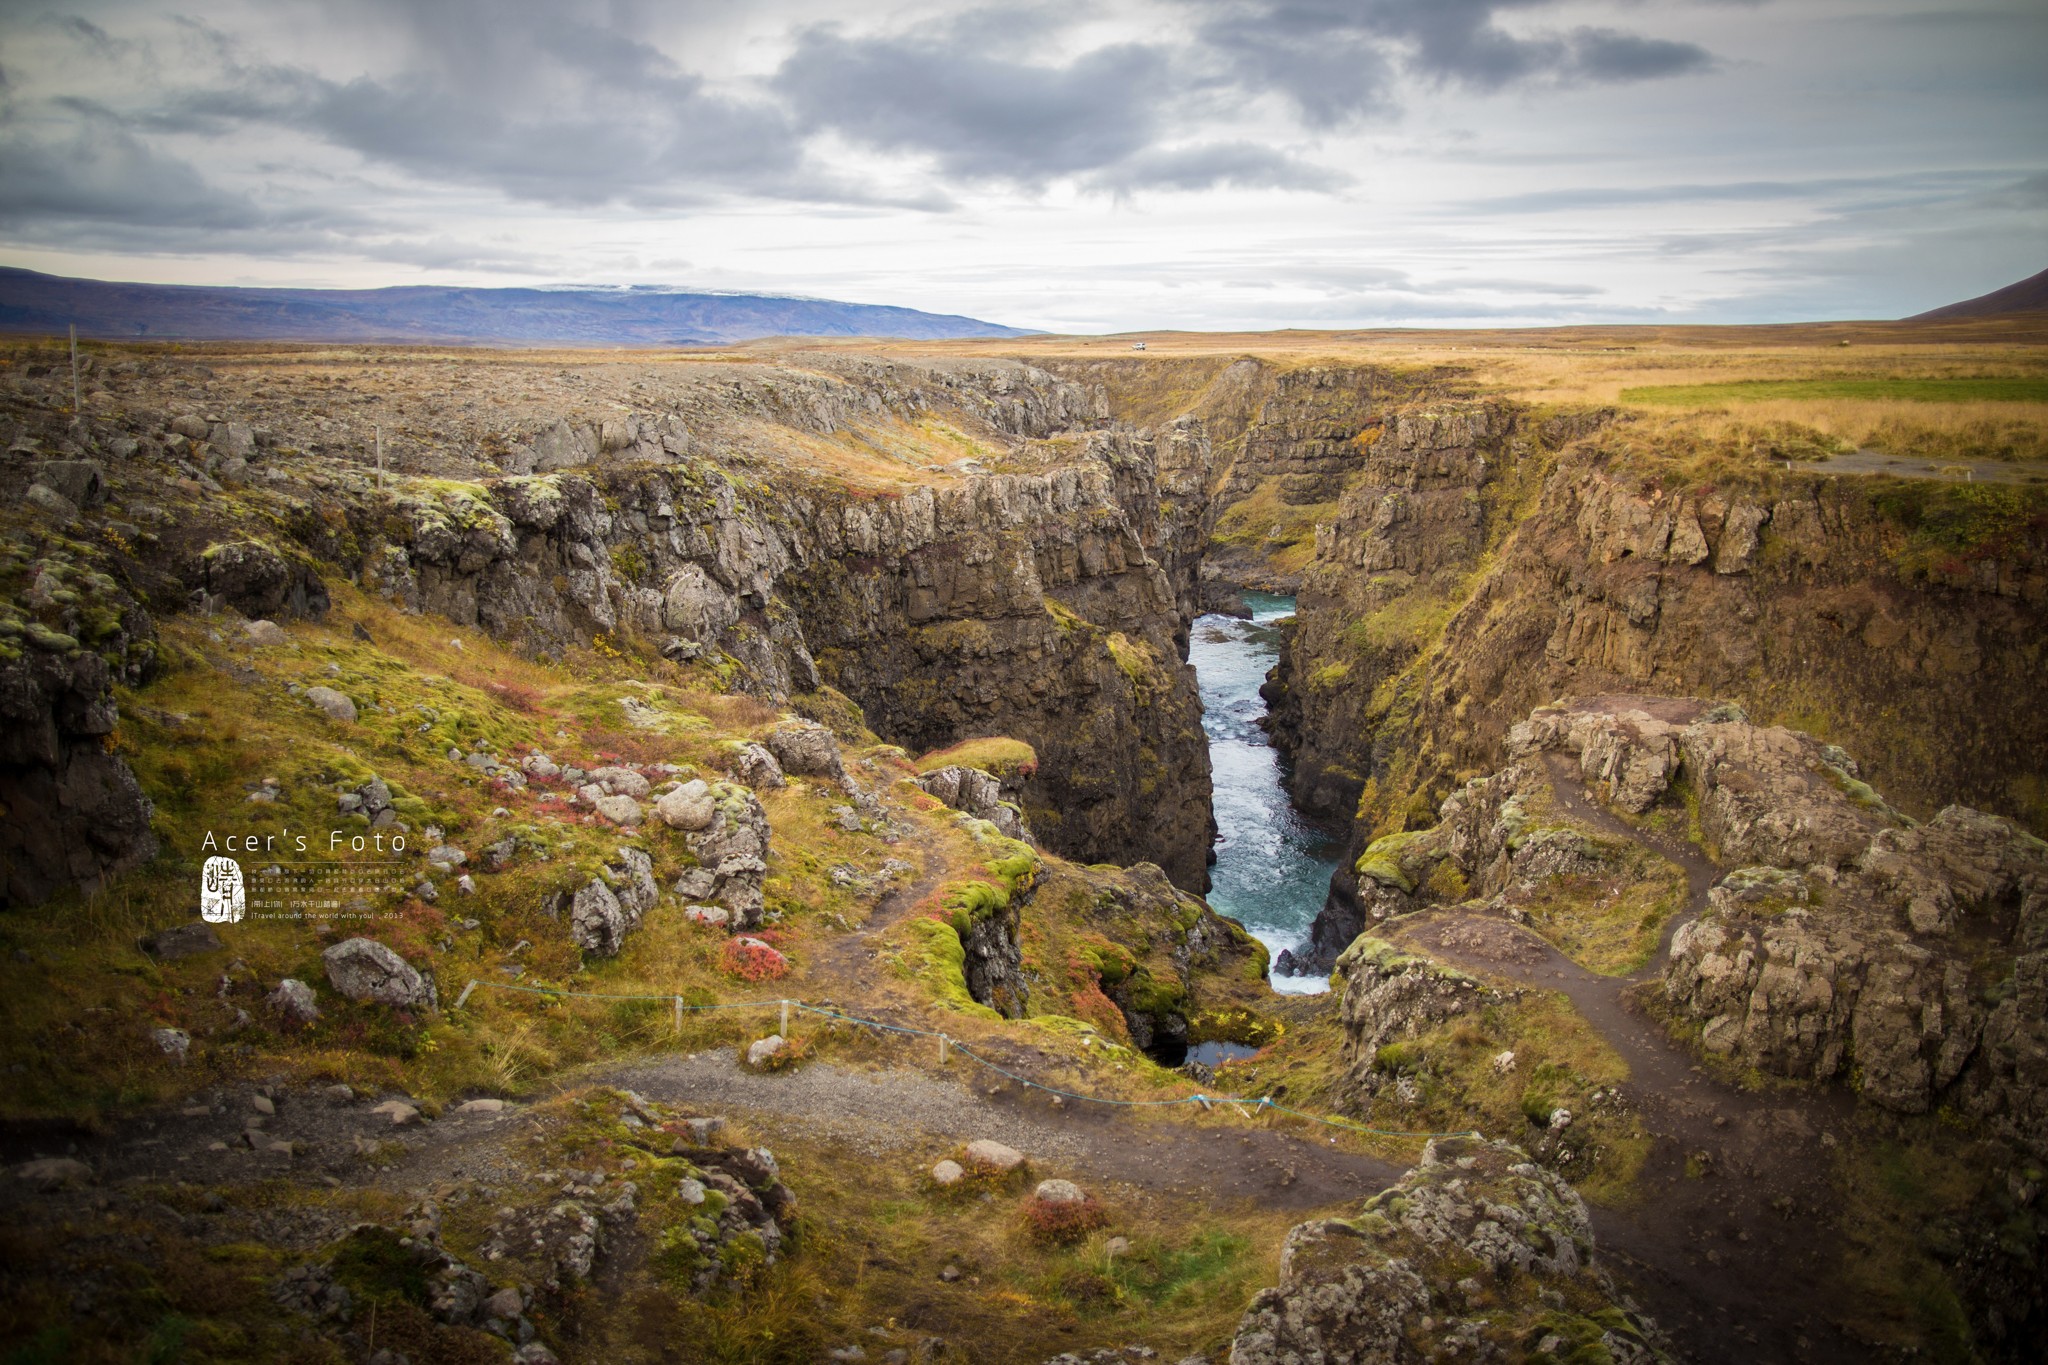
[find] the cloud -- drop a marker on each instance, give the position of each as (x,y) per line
(1245,165)
(977,116)
(1335,59)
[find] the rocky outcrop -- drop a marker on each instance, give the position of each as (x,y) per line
(608,907)
(1389,996)
(1481,575)
(1473,1255)
(975,793)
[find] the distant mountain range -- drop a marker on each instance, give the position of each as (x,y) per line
(2028,296)
(109,310)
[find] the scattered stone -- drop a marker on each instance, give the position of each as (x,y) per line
(446,858)
(262,1104)
(708,915)
(1503,1063)
(506,1304)
(339,1094)
(400,1113)
(1059,1192)
(265,633)
(337,706)
(172,1042)
(481,1107)
(620,781)
(948,1172)
(762,1051)
(54,1172)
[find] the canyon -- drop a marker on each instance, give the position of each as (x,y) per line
(1752,744)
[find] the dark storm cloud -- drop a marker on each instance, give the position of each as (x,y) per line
(587,103)
(1334,59)
(977,115)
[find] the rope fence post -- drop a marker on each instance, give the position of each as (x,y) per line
(679,1016)
(463,998)
(784,1030)
(943,1040)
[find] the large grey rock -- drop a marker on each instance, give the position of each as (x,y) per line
(758,768)
(620,781)
(620,810)
(688,807)
(293,1002)
(336,704)
(186,940)
(808,748)
(82,482)
(989,1155)
(363,969)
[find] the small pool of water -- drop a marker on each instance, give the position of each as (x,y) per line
(1214,1054)
(1272,864)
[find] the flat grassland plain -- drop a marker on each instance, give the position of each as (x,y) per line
(181,1262)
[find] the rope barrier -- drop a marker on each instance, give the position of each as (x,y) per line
(1207,1102)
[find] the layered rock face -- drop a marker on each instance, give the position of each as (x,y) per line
(1462,1260)
(973,603)
(71,812)
(1473,575)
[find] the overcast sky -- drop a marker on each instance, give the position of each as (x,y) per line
(1100,166)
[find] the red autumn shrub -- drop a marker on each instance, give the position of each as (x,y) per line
(752,961)
(1063,1224)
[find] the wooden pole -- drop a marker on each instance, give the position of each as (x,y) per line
(943,1040)
(679,1016)
(785,1019)
(76,405)
(379,431)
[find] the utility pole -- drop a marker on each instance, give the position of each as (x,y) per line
(76,406)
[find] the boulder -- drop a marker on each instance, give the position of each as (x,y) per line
(762,1051)
(363,969)
(949,1172)
(985,1154)
(688,807)
(807,748)
(172,1042)
(618,781)
(186,940)
(82,482)
(51,503)
(620,810)
(335,704)
(293,1002)
(1059,1192)
(758,768)
(265,634)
